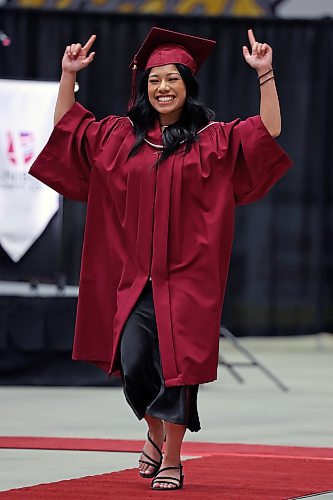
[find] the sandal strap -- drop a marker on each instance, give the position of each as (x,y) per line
(166,479)
(148,463)
(178,467)
(163,479)
(157,463)
(154,444)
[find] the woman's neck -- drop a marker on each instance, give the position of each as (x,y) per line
(166,120)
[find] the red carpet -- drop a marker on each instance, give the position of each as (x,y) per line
(134,446)
(227,477)
(228,471)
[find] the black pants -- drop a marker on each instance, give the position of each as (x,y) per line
(141,370)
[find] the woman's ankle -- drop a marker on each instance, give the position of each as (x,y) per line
(155,428)
(172,460)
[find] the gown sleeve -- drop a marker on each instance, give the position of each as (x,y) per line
(65,162)
(259,162)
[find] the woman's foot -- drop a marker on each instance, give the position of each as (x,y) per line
(173,476)
(152,453)
(174,438)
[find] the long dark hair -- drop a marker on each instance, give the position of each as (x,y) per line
(194,116)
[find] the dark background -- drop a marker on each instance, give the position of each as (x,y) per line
(281,269)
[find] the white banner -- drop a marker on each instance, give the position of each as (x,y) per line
(26,122)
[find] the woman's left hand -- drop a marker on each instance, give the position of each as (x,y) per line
(261,56)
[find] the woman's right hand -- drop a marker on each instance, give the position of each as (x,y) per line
(76,58)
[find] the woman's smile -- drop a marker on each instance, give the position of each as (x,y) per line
(165,99)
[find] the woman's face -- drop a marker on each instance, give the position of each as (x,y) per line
(166,92)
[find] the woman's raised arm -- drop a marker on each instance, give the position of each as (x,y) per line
(261,60)
(75,58)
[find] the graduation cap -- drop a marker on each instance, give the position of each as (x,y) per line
(169,47)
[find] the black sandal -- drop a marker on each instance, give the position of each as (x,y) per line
(177,483)
(152,462)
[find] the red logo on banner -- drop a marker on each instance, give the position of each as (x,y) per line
(10,148)
(26,142)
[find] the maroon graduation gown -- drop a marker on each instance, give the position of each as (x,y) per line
(174,223)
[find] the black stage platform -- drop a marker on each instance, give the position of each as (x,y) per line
(36,337)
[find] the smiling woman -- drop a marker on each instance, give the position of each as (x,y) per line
(166,92)
(169,94)
(162,185)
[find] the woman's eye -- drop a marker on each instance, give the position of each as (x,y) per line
(173,79)
(153,81)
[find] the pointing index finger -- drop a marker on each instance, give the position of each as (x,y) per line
(89,43)
(252,39)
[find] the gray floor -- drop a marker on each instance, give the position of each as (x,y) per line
(254,412)
(323,496)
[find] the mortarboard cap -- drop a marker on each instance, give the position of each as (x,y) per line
(170,47)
